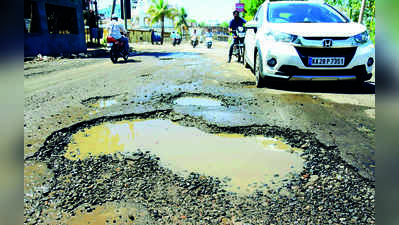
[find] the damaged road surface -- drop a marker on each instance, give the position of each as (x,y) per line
(177,136)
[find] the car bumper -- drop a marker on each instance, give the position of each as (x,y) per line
(292,63)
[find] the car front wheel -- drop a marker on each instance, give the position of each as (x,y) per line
(258,66)
(245,62)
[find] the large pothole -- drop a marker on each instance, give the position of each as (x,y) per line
(249,162)
(198,101)
(325,184)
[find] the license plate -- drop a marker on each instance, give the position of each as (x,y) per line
(326,61)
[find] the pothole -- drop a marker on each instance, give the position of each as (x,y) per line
(246,162)
(198,101)
(100,102)
(169,197)
(166,58)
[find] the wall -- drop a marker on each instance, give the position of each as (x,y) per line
(53,44)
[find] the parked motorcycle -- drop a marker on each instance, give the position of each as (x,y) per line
(209,42)
(238,48)
(117,50)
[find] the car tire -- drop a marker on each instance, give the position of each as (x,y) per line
(244,60)
(258,70)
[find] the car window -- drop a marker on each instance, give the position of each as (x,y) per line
(256,17)
(260,16)
(303,13)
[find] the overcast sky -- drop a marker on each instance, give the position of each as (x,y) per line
(200,10)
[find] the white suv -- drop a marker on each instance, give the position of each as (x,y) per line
(307,41)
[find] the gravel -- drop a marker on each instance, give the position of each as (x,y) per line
(328,190)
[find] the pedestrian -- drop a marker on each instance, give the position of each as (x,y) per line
(92,22)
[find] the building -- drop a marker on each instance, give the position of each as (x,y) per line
(53,27)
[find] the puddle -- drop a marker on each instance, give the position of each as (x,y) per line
(198,101)
(248,162)
(103,103)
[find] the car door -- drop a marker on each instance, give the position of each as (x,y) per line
(250,37)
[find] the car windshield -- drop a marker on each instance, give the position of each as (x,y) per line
(303,13)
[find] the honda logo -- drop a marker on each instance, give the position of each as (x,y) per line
(327,43)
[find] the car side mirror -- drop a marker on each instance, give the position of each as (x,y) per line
(254,28)
(252,25)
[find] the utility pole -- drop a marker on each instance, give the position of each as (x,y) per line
(362,11)
(125,11)
(113,8)
(97,25)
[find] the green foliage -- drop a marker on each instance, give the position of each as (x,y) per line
(251,7)
(158,11)
(225,24)
(182,22)
(352,9)
(202,24)
(192,21)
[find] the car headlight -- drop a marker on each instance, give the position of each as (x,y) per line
(281,37)
(362,37)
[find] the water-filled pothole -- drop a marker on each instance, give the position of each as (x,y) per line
(248,162)
(103,103)
(198,101)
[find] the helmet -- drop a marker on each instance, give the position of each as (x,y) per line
(114,16)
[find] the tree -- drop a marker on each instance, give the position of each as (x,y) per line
(181,24)
(362,11)
(202,24)
(159,10)
(353,9)
(225,24)
(251,7)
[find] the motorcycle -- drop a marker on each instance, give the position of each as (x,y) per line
(238,48)
(117,49)
(176,41)
(194,41)
(209,42)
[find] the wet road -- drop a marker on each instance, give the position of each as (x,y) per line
(193,84)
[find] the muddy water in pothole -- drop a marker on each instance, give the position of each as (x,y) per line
(104,103)
(197,101)
(248,162)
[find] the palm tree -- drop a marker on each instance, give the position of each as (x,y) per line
(158,11)
(181,23)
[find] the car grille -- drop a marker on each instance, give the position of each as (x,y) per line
(322,38)
(305,53)
(293,70)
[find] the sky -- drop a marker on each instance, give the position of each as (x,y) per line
(200,10)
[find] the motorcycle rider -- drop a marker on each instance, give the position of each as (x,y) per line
(234,24)
(208,37)
(194,38)
(209,33)
(115,29)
